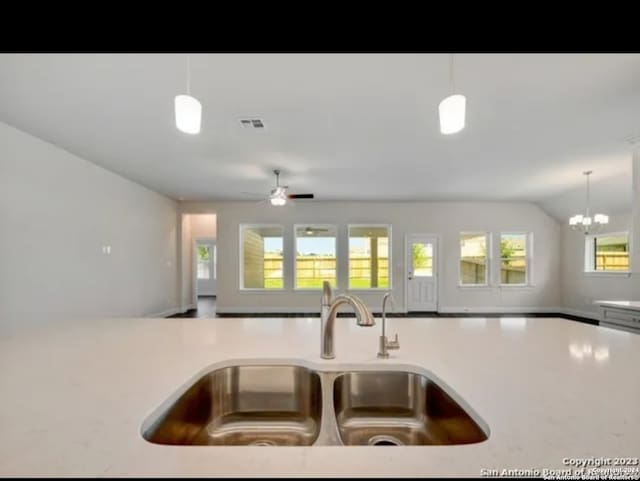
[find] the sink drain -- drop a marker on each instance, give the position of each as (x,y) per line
(384,441)
(262,442)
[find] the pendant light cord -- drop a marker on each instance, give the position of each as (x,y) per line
(587,174)
(452,84)
(188,75)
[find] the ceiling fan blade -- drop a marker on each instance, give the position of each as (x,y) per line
(300,196)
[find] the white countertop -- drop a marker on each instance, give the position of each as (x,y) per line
(634,305)
(74,395)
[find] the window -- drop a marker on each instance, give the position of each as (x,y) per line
(513,258)
(204,262)
(369,252)
(607,252)
(315,256)
(261,255)
(473,259)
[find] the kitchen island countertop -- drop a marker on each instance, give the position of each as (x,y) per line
(75,394)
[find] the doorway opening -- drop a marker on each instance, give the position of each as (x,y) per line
(200,270)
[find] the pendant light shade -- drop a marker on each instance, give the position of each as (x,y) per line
(188,114)
(188,109)
(452,114)
(453,108)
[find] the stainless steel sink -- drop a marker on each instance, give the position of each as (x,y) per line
(244,405)
(282,404)
(399,408)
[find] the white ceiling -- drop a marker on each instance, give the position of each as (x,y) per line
(344,126)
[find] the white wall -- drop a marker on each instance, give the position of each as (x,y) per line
(57,210)
(446,219)
(203,226)
(186,265)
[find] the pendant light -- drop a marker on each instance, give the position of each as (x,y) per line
(188,109)
(585,222)
(452,108)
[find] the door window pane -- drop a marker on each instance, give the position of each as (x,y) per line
(369,249)
(204,257)
(473,258)
(262,257)
(513,254)
(315,256)
(422,259)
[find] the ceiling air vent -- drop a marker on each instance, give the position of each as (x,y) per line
(252,123)
(632,139)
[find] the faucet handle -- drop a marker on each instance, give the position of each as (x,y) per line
(395,344)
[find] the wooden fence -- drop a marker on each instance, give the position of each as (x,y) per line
(312,270)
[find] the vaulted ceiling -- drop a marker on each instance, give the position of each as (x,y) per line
(343,126)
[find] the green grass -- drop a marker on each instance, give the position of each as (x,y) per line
(273,283)
(366,284)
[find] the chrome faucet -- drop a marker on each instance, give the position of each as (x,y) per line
(384,344)
(328,314)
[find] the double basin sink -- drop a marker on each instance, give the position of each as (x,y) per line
(285,403)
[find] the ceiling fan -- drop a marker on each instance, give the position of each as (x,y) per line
(278,195)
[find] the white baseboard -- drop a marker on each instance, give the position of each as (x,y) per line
(443,310)
(171,311)
(498,310)
(461,310)
(267,310)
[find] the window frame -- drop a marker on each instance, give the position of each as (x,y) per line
(488,258)
(295,258)
(589,259)
(241,228)
(390,263)
(528,258)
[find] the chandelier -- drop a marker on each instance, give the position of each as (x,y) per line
(585,222)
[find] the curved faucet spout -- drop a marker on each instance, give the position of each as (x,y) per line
(363,318)
(326,293)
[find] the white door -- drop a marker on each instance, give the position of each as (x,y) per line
(421,262)
(206,267)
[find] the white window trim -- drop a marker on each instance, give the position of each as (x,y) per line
(241,228)
(487,262)
(589,268)
(371,289)
(295,252)
(528,260)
